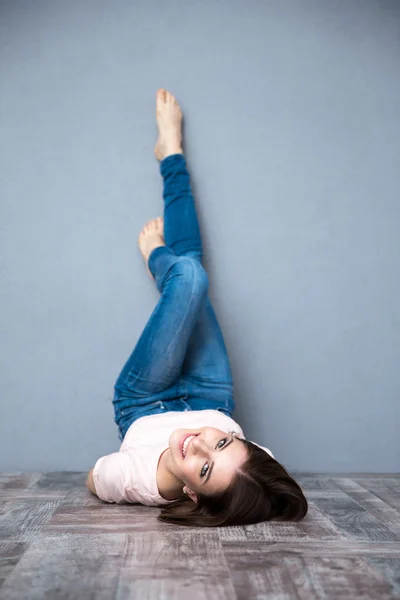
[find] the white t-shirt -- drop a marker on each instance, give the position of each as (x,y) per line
(130,475)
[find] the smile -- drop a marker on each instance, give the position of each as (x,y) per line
(187,435)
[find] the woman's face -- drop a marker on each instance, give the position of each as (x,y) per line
(211,459)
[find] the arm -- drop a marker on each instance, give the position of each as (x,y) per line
(90,482)
(112,479)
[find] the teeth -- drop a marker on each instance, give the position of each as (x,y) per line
(186,443)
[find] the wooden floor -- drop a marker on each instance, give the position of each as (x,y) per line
(58,541)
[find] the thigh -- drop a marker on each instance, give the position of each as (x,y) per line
(207,362)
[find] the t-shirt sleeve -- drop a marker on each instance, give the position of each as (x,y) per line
(113,477)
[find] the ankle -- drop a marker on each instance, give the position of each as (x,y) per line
(173,150)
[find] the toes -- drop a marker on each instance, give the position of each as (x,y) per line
(160,97)
(152,224)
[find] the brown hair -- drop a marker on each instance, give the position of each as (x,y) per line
(261,490)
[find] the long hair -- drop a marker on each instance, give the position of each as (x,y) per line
(260,490)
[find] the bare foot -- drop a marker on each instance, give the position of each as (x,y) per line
(151,236)
(169,119)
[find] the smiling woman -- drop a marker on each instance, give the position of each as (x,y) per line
(173,399)
(194,458)
(221,479)
(232,495)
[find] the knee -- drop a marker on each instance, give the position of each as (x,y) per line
(194,272)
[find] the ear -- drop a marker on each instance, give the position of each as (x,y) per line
(192,495)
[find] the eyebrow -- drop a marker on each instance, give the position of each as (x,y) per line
(212,465)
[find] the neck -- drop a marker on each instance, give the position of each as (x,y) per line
(169,486)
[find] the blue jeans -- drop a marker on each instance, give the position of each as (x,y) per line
(180,362)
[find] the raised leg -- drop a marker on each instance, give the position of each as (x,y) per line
(182,337)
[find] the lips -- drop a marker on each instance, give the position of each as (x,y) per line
(183,441)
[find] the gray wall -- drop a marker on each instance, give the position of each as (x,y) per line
(292,140)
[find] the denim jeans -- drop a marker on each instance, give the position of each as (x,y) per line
(180,361)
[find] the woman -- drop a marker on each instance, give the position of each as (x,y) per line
(173,399)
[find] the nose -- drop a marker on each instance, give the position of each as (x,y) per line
(198,445)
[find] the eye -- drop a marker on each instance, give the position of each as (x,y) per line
(202,472)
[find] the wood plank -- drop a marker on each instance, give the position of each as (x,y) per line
(371,502)
(75,566)
(306,570)
(57,540)
(316,525)
(10,554)
(23,519)
(387,490)
(189,565)
(354,521)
